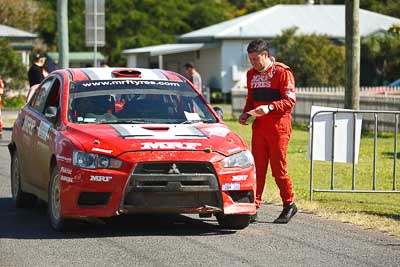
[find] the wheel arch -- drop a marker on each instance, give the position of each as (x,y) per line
(53,163)
(12,147)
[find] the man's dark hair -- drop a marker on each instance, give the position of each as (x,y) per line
(189,65)
(38,56)
(257,46)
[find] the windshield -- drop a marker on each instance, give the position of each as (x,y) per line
(136,101)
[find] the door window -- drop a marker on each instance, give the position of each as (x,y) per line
(40,97)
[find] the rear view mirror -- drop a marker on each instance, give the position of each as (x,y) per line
(219,112)
(51,114)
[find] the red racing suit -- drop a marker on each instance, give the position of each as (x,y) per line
(271,132)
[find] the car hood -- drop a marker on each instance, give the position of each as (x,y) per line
(115,139)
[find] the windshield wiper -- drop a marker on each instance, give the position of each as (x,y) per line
(196,121)
(122,122)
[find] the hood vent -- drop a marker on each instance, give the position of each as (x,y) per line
(127,73)
(156,129)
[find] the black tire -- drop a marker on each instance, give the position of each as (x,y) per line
(57,222)
(20,198)
(236,222)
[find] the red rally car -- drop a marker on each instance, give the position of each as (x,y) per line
(100,142)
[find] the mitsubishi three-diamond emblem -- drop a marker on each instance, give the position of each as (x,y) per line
(174,169)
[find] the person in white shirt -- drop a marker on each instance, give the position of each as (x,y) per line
(193,75)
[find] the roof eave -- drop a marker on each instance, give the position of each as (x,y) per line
(199,39)
(19,37)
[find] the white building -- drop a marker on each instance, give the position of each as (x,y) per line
(219,51)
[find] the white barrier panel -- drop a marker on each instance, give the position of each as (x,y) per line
(344,135)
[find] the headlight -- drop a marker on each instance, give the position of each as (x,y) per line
(242,159)
(94,161)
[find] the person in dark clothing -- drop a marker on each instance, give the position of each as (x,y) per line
(50,65)
(35,73)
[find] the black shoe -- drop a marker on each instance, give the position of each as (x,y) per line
(287,213)
(253,218)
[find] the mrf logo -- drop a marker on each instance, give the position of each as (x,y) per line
(168,145)
(98,178)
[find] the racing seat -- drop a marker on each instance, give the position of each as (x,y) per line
(103,104)
(155,108)
(92,105)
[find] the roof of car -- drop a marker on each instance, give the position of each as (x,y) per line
(107,73)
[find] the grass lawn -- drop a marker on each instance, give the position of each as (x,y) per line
(375,211)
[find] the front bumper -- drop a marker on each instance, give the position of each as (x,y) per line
(172,193)
(106,193)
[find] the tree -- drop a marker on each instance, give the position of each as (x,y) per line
(387,7)
(135,23)
(12,71)
(380,58)
(21,14)
(315,61)
(208,12)
(248,6)
(139,23)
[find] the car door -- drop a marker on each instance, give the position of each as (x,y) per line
(44,145)
(31,124)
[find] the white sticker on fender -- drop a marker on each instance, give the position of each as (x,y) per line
(28,125)
(62,158)
(168,145)
(66,170)
(44,129)
(230,186)
(66,179)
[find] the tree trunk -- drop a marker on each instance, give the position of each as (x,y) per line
(352,68)
(62,27)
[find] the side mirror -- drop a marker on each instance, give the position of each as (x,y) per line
(219,112)
(51,114)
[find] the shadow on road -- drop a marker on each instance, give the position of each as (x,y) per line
(33,224)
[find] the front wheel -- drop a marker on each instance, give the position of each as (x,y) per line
(54,203)
(20,198)
(236,222)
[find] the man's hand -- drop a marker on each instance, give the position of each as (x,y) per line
(243,118)
(262,110)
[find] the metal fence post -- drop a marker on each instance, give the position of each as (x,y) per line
(396,129)
(311,158)
(353,179)
(375,143)
(333,151)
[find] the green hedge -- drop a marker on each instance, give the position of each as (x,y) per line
(15,102)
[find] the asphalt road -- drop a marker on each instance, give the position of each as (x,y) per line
(27,240)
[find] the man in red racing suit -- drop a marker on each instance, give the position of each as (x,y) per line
(271,97)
